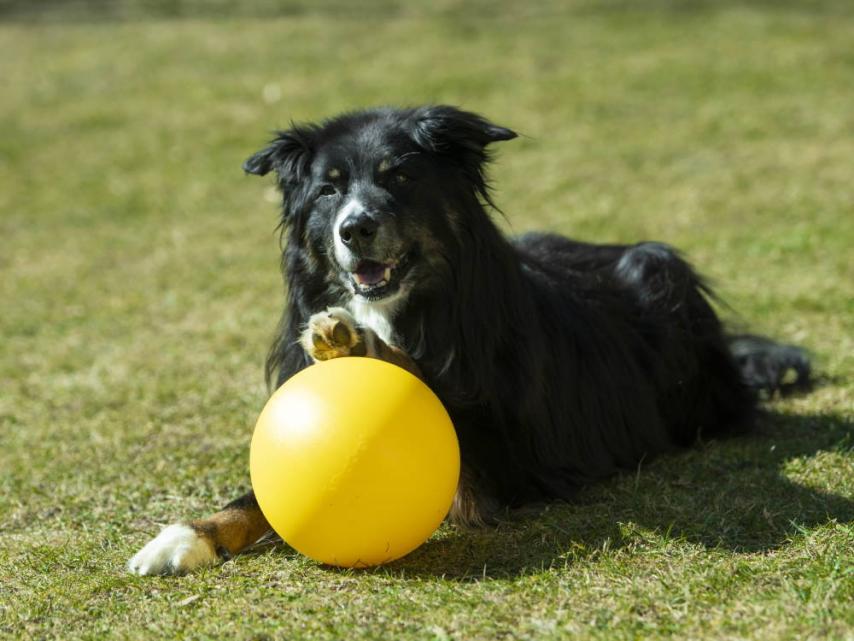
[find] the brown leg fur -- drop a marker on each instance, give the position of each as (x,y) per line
(238,525)
(471,507)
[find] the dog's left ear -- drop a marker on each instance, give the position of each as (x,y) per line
(289,154)
(441,128)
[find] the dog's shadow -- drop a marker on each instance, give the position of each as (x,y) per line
(747,494)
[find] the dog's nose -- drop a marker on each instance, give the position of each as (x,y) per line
(357,231)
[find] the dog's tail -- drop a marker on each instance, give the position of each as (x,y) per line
(767,366)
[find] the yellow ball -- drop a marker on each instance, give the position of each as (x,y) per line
(354,462)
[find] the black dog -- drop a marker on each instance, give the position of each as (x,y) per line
(560,362)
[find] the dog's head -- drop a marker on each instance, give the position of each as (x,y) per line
(377,197)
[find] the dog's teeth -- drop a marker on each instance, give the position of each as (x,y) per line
(387,274)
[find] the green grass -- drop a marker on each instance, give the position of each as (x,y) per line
(138,274)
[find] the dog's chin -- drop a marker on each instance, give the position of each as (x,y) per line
(375,281)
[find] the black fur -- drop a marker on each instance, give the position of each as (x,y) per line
(559,361)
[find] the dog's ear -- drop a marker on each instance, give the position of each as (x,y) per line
(461,137)
(289,154)
(442,128)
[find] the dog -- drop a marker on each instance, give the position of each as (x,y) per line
(560,362)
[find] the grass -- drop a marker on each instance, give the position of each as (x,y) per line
(140,289)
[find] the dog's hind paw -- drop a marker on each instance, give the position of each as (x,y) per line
(332,334)
(768,366)
(178,549)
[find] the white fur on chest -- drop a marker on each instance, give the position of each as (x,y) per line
(378,316)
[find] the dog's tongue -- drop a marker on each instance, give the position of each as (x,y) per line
(369,272)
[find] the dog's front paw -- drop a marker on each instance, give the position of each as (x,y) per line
(178,549)
(332,334)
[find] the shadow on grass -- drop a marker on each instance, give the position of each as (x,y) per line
(731,494)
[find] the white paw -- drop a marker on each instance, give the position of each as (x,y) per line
(178,549)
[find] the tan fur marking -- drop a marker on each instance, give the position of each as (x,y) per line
(334,333)
(468,509)
(385,352)
(331,334)
(233,528)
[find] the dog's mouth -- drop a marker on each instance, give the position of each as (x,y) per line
(374,280)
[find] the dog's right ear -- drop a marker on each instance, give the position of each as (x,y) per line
(447,129)
(289,154)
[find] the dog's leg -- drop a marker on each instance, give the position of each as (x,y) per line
(765,364)
(335,333)
(472,507)
(183,547)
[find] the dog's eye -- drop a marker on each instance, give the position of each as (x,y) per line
(328,190)
(400,178)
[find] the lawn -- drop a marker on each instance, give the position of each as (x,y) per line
(140,289)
